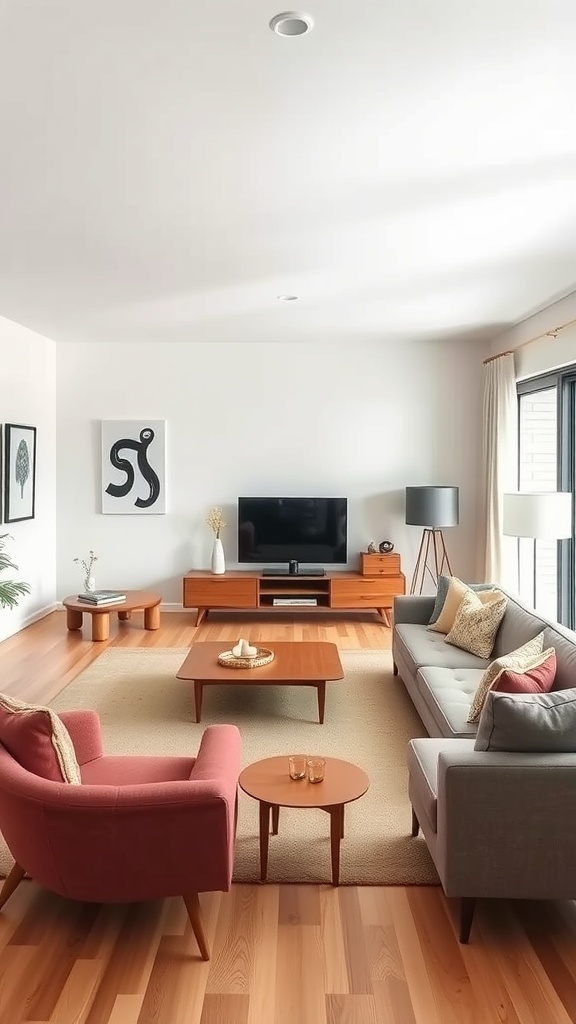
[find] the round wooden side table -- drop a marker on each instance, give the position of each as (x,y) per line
(136,600)
(269,782)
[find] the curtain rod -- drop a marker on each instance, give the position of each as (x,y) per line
(553,333)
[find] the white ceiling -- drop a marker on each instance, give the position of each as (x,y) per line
(169,167)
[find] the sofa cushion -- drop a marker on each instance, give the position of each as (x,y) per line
(539,679)
(447,694)
(534,722)
(38,740)
(442,591)
(417,645)
(527,656)
(517,627)
(477,621)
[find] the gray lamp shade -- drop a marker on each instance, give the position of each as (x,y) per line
(432,507)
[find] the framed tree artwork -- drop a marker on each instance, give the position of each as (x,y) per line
(19,472)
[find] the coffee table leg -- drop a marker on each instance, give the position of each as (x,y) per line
(336,826)
(198,698)
(275,817)
(264,827)
(321,688)
(152,617)
(73,619)
(101,626)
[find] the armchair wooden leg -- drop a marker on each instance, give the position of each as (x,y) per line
(415,823)
(12,882)
(195,914)
(467,905)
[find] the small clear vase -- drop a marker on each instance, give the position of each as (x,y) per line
(89,584)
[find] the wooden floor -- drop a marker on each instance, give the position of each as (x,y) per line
(280,954)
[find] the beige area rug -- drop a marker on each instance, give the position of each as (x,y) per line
(369,719)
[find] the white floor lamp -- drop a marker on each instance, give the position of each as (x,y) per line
(433,508)
(545,515)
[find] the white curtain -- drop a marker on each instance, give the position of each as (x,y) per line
(500,461)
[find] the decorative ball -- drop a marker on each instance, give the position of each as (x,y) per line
(385,547)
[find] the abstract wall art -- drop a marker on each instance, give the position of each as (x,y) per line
(134,467)
(19,472)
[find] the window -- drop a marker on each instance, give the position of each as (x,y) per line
(546,462)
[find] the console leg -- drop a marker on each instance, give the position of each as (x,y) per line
(415,823)
(202,612)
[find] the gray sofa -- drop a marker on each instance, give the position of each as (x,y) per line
(497,824)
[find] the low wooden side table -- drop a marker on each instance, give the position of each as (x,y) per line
(136,600)
(269,782)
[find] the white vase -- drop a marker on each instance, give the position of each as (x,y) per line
(218,562)
(89,584)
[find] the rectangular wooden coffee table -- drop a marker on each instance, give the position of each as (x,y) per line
(295,664)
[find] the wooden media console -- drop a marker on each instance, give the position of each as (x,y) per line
(238,589)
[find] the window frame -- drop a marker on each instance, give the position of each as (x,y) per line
(564,380)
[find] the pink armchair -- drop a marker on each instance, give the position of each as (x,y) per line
(138,828)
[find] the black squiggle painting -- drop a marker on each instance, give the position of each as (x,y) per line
(133,459)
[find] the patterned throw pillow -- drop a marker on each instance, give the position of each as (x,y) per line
(38,740)
(539,679)
(477,621)
(523,658)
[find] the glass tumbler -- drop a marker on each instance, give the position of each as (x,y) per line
(316,766)
(297,766)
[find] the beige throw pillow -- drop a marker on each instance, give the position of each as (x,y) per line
(523,658)
(38,739)
(477,621)
(456,591)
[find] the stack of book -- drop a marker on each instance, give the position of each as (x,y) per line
(102,597)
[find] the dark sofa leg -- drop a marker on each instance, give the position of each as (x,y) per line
(395,668)
(415,823)
(467,905)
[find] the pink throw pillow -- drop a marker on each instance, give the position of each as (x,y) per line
(38,740)
(534,680)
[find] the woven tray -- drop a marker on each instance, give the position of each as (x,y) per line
(263,657)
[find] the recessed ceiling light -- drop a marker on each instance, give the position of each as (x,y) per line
(291,23)
(287,298)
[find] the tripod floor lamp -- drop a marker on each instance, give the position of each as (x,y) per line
(433,508)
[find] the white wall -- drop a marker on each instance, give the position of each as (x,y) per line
(264,419)
(27,395)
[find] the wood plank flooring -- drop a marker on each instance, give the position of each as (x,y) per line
(280,954)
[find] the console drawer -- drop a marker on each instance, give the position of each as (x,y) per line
(376,592)
(379,565)
(219,592)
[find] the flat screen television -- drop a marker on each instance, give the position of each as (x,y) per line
(278,530)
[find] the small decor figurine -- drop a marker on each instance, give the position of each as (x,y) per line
(244,650)
(215,520)
(372,548)
(385,547)
(87,563)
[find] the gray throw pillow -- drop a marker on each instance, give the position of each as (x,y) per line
(530,722)
(442,592)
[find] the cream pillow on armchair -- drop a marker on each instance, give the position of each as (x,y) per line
(477,621)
